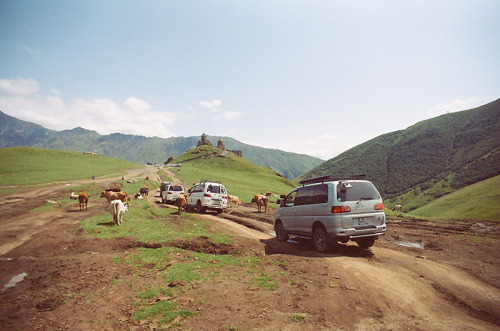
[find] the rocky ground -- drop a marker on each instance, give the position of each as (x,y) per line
(421,275)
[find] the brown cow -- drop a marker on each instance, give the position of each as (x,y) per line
(261,200)
(181,202)
(144,191)
(83,198)
(234,199)
(110,196)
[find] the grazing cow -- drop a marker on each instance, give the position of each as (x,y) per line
(144,191)
(268,194)
(83,198)
(234,199)
(261,200)
(138,196)
(110,196)
(73,196)
(113,189)
(398,208)
(181,202)
(117,208)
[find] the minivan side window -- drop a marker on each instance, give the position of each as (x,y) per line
(314,194)
(357,191)
(197,188)
(320,194)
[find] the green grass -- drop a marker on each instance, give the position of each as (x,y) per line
(163,310)
(28,166)
(241,177)
(297,318)
(150,224)
(480,201)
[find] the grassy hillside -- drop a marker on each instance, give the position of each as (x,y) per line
(14,132)
(239,176)
(429,159)
(291,165)
(27,165)
(480,201)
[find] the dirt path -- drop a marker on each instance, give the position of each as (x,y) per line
(449,280)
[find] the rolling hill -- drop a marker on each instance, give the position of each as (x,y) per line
(29,166)
(241,177)
(427,160)
(14,132)
(479,201)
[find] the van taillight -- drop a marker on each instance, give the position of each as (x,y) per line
(224,197)
(379,206)
(207,195)
(340,209)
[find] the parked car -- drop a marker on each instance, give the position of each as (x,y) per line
(207,195)
(330,209)
(170,193)
(163,186)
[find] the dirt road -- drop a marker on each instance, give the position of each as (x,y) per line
(420,276)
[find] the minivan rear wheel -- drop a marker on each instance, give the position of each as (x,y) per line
(281,235)
(320,239)
(199,208)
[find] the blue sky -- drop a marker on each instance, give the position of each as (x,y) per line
(311,77)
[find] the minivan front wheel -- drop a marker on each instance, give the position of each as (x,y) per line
(281,235)
(320,239)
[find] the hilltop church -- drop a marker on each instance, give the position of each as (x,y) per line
(220,145)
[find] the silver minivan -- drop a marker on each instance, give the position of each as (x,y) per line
(330,209)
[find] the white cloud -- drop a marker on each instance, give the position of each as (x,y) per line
(137,105)
(28,50)
(456,105)
(227,115)
(218,113)
(210,104)
(133,116)
(54,91)
(18,86)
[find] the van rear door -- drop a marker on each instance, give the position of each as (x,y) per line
(364,202)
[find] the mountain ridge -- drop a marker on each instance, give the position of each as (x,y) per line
(136,148)
(433,157)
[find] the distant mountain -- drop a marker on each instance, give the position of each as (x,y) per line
(14,132)
(429,159)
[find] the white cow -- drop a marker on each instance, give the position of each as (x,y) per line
(397,208)
(117,208)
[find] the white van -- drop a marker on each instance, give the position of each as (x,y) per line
(171,193)
(330,209)
(207,195)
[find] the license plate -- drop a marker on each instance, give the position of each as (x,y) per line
(362,221)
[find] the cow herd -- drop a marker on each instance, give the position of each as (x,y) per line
(119,201)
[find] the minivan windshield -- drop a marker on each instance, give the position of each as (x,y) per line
(176,188)
(356,191)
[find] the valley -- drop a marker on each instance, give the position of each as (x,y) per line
(421,275)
